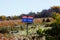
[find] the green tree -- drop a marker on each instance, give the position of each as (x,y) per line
(55,31)
(15,17)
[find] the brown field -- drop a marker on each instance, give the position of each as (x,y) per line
(19,22)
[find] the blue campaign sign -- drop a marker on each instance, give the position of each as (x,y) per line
(30,20)
(24,18)
(27,19)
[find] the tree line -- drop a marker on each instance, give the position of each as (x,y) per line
(43,14)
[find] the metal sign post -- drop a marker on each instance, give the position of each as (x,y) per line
(27,29)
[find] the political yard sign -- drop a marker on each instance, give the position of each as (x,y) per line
(27,19)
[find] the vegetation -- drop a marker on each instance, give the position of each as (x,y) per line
(51,32)
(3,30)
(47,20)
(43,13)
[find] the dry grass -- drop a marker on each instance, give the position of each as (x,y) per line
(19,22)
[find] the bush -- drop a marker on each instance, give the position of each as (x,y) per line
(51,38)
(43,20)
(3,30)
(47,20)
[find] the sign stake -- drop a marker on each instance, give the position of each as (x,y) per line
(27,29)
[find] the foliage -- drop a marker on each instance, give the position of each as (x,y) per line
(54,15)
(43,20)
(56,9)
(3,30)
(14,28)
(40,32)
(55,31)
(43,13)
(51,38)
(47,20)
(15,17)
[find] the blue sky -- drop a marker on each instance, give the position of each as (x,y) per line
(17,7)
